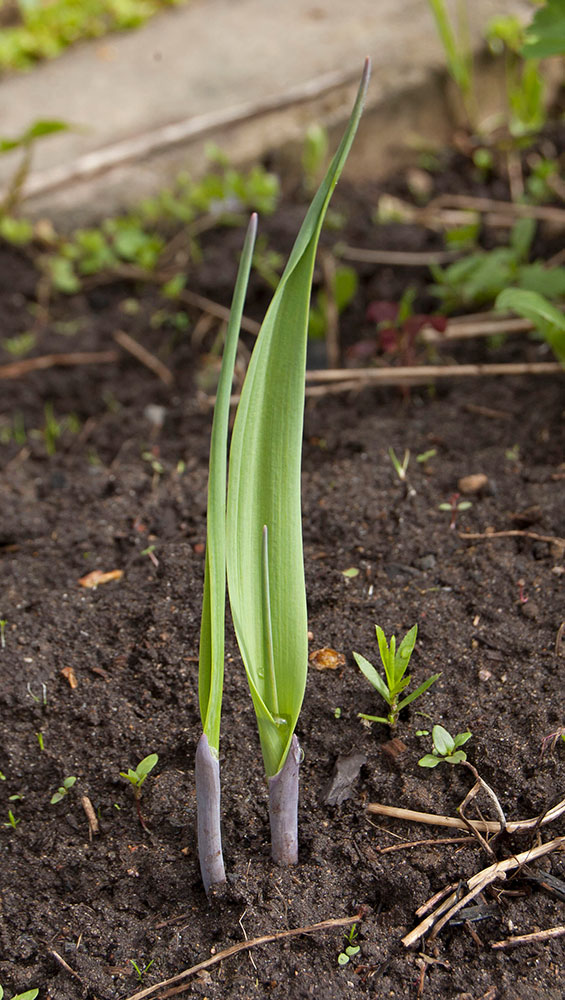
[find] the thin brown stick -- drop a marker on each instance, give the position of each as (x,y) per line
(432,842)
(65,965)
(548,934)
(245,946)
(93,824)
(145,356)
(398,258)
(514,532)
(428,373)
(476,884)
(508,208)
(468,331)
(486,826)
(18,368)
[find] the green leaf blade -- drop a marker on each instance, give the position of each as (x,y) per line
(212,626)
(264,486)
(368,670)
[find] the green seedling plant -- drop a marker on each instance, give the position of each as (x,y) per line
(212,627)
(395,662)
(12,820)
(28,995)
(137,779)
(25,144)
(446,748)
(351,949)
(455,506)
(140,972)
(264,556)
(63,790)
(3,623)
(457,49)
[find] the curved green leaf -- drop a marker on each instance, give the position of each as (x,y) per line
(264,489)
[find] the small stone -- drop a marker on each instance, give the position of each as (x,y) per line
(394,748)
(484,674)
(530,610)
(473,483)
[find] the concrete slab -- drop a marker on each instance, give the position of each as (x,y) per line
(247,74)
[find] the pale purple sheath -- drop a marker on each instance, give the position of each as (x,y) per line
(283,808)
(207,776)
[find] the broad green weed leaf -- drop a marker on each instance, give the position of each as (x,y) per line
(546,318)
(545,36)
(372,676)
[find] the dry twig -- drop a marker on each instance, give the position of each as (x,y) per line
(511,942)
(245,946)
(485,826)
(145,356)
(18,368)
(514,532)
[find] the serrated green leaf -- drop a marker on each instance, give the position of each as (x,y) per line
(264,488)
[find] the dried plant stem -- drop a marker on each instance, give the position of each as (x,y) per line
(486,826)
(143,355)
(427,373)
(476,884)
(547,935)
(513,533)
(18,368)
(245,946)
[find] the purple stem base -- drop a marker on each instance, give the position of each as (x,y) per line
(283,808)
(207,776)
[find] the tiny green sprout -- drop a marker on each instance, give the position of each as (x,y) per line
(28,995)
(422,732)
(337,713)
(425,456)
(63,790)
(2,778)
(395,663)
(351,572)
(446,748)
(40,740)
(3,623)
(139,972)
(351,949)
(400,467)
(13,822)
(138,776)
(455,506)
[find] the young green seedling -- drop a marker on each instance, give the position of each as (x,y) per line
(446,748)
(455,506)
(13,822)
(265,564)
(63,790)
(3,623)
(395,663)
(140,972)
(351,949)
(212,626)
(137,779)
(400,468)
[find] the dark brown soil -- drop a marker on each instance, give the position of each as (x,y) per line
(123,493)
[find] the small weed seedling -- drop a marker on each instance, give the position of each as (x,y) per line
(454,505)
(137,778)
(28,995)
(63,790)
(395,664)
(3,623)
(13,822)
(141,972)
(446,748)
(351,949)
(400,468)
